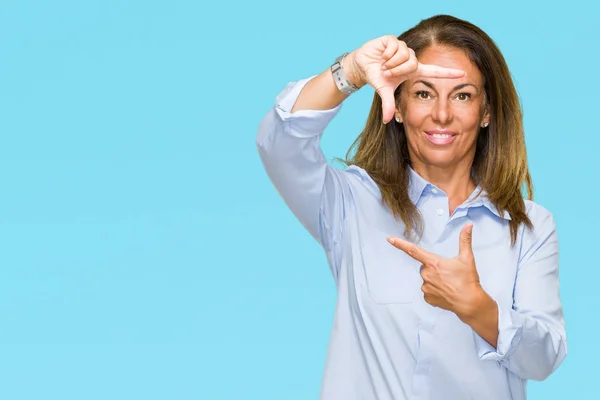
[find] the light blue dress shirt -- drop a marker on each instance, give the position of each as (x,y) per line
(387,342)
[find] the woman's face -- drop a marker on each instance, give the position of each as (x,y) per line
(442,117)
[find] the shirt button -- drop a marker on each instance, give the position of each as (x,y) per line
(434,191)
(439,211)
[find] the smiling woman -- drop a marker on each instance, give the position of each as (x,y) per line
(440,161)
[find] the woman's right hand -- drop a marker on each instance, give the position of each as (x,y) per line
(386,62)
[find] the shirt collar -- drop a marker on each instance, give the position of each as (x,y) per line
(481,199)
(416,185)
(478,198)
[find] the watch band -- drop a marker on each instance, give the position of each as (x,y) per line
(339,77)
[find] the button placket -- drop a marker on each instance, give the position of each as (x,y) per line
(436,213)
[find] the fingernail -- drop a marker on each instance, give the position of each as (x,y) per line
(391,240)
(383,68)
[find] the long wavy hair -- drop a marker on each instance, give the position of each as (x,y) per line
(500,163)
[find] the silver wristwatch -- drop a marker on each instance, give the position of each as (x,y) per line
(339,77)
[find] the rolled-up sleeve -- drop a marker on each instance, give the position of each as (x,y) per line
(289,147)
(532,338)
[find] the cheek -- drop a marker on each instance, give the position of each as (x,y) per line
(469,118)
(416,116)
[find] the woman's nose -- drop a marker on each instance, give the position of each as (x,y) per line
(442,113)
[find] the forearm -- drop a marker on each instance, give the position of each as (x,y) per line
(482,317)
(321,93)
(531,341)
(529,346)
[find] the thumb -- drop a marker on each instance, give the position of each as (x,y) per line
(388,105)
(465,244)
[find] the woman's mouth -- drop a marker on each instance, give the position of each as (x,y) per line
(440,137)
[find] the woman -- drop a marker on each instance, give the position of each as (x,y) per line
(447,278)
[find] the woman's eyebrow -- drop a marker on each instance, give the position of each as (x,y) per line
(457,87)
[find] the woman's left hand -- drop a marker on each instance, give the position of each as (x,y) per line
(449,283)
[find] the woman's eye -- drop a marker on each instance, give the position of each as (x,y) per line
(423,95)
(463,96)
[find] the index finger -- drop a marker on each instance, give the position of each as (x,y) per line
(412,250)
(435,71)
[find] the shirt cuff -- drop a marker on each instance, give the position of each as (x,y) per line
(510,325)
(302,123)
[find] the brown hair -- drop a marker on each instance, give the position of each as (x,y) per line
(500,164)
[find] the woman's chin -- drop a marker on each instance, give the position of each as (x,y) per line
(440,160)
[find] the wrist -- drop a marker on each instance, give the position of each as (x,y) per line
(478,305)
(352,71)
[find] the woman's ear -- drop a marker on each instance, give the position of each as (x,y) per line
(398,116)
(485,121)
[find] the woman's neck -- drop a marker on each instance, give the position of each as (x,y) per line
(456,182)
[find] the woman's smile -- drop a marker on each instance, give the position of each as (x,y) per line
(440,137)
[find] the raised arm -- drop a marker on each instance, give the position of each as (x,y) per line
(289,135)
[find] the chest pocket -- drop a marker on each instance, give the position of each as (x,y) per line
(392,277)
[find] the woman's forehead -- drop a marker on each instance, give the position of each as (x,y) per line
(451,57)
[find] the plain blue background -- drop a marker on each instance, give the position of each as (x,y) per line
(143,252)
